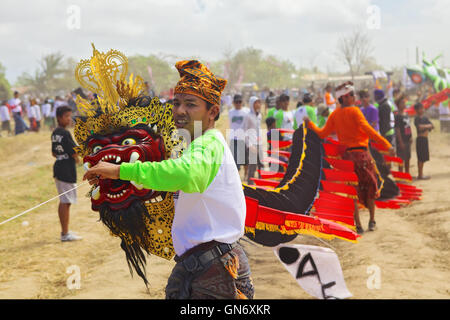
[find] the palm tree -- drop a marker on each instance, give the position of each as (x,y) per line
(47,79)
(51,70)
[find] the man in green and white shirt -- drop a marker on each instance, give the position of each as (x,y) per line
(210,210)
(305,110)
(284,117)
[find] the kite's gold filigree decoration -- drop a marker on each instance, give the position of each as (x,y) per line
(105,75)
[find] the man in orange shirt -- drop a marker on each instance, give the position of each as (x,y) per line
(353,132)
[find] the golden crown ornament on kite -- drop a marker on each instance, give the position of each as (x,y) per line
(105,74)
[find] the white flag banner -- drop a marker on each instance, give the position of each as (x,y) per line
(316,269)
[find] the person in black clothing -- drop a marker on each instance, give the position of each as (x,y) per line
(270,123)
(403,134)
(423,126)
(64,170)
(270,101)
(385,116)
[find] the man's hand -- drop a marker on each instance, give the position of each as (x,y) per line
(306,120)
(102,170)
(392,152)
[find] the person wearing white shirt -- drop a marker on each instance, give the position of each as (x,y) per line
(49,121)
(236,117)
(35,110)
(5,118)
(288,120)
(284,117)
(27,106)
(252,129)
(15,103)
(32,117)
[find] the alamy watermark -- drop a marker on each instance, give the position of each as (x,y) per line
(73,21)
(374,280)
(73,282)
(373,21)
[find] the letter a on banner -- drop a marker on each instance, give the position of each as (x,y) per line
(316,269)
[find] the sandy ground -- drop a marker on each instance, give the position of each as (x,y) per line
(410,247)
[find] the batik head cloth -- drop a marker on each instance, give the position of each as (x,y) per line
(196,79)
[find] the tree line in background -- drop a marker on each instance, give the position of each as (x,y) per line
(55,73)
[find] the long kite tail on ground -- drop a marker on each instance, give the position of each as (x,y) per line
(281,206)
(314,191)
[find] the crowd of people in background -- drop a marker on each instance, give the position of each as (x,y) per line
(385,117)
(247,111)
(385,113)
(31,114)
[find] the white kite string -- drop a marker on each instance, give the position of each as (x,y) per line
(37,206)
(327,244)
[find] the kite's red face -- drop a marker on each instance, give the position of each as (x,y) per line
(126,146)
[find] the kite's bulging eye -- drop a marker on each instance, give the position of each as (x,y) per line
(128,142)
(96,149)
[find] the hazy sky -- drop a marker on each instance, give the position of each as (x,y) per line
(303,31)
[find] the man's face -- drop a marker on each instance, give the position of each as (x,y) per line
(349,99)
(420,111)
(65,120)
(188,108)
(237,104)
(285,104)
(365,100)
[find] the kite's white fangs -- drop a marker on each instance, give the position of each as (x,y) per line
(134,156)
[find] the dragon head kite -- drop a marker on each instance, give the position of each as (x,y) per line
(123,125)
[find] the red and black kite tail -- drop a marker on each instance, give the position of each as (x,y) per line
(277,211)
